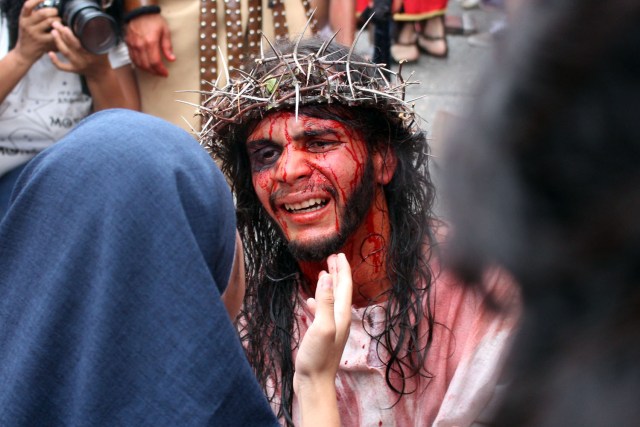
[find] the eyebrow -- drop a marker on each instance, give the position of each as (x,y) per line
(254,143)
(313,133)
(305,134)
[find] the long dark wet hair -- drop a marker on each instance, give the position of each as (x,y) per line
(274,279)
(10,10)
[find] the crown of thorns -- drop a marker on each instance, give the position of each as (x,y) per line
(291,80)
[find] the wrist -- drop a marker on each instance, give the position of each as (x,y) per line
(313,385)
(97,70)
(142,10)
(318,402)
(19,59)
(130,5)
(136,8)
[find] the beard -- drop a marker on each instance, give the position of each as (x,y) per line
(350,218)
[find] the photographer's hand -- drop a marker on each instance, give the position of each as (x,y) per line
(80,61)
(34,40)
(109,88)
(34,33)
(149,41)
(320,351)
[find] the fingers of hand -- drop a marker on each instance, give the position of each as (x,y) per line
(324,301)
(135,54)
(28,6)
(311,303)
(64,66)
(160,70)
(70,47)
(32,45)
(37,27)
(155,59)
(343,290)
(146,46)
(143,61)
(167,48)
(45,25)
(66,36)
(44,16)
(151,60)
(60,44)
(139,46)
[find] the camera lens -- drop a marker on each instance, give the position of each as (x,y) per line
(95,29)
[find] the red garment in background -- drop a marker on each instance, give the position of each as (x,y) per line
(411,10)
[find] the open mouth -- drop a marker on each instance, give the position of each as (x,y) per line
(306,206)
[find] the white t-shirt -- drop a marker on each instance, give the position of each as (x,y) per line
(42,107)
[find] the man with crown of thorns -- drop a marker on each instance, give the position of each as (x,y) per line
(324,155)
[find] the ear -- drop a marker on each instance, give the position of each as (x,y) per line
(384,165)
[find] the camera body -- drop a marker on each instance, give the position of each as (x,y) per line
(96,30)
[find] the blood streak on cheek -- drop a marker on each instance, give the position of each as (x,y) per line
(262,180)
(318,181)
(358,166)
(335,176)
(358,172)
(356,148)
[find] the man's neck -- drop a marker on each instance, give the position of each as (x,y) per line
(366,250)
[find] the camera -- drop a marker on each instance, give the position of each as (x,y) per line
(96,30)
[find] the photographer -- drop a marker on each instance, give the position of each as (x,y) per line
(48,83)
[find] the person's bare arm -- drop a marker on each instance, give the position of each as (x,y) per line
(342,16)
(321,348)
(34,40)
(129,86)
(321,12)
(149,39)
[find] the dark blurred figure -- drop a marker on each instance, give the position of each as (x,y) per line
(545,180)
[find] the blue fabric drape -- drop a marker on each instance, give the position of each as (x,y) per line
(7,181)
(113,254)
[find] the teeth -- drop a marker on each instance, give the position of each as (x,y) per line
(308,205)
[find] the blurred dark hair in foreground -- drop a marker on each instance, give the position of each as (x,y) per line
(544,180)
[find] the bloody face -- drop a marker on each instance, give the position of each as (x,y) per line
(314,178)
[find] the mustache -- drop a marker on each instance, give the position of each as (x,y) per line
(310,187)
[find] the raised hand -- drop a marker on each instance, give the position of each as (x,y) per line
(34,31)
(320,351)
(78,59)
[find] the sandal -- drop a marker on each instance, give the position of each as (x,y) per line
(404,47)
(426,41)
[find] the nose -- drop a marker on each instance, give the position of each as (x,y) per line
(292,165)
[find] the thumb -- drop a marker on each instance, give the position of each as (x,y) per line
(167,47)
